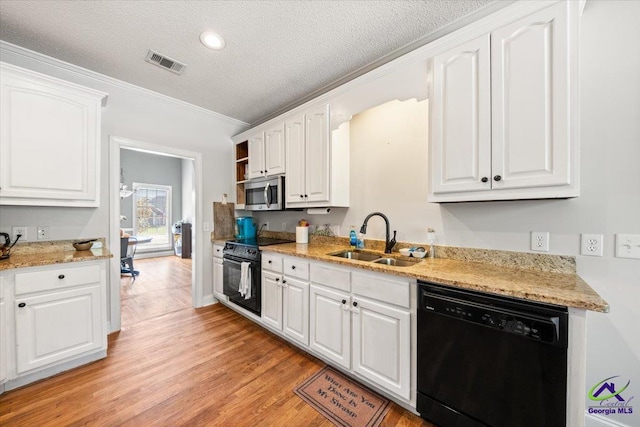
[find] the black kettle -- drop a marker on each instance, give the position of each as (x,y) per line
(6,246)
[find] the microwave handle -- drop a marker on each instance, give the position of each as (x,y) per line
(267,196)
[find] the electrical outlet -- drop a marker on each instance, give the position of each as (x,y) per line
(205,226)
(591,244)
(628,246)
(43,232)
(264,226)
(284,226)
(19,229)
(540,241)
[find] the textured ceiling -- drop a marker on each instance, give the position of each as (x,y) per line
(277,52)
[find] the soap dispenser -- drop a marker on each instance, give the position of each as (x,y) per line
(353,238)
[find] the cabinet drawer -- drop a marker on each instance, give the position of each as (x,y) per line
(328,275)
(387,289)
(272,262)
(56,278)
(217,251)
(296,267)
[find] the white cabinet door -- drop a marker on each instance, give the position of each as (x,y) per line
(295,160)
(296,309)
(519,143)
(381,345)
(272,299)
(58,325)
(3,340)
(317,155)
(461,118)
(330,324)
(256,155)
(530,69)
(218,273)
(49,147)
(274,156)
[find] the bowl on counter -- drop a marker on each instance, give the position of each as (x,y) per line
(405,251)
(419,253)
(82,246)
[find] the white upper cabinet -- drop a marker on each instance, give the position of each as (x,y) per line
(49,140)
(530,73)
(317,155)
(295,159)
(461,117)
(256,155)
(266,153)
(501,116)
(317,161)
(274,157)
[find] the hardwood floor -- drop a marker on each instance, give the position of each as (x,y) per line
(163,286)
(207,366)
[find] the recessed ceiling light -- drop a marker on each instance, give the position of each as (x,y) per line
(212,40)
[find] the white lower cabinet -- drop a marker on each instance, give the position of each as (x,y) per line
(272,299)
(330,324)
(218,270)
(296,309)
(285,299)
(381,344)
(3,340)
(370,335)
(357,320)
(57,325)
(52,319)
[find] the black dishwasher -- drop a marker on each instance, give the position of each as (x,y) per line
(487,360)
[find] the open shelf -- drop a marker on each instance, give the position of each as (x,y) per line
(242,163)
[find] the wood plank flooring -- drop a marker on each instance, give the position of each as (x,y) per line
(163,286)
(191,367)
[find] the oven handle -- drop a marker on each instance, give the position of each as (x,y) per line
(267,195)
(237,261)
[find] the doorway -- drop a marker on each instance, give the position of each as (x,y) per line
(192,186)
(157,198)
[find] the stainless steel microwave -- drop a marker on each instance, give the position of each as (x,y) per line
(265,194)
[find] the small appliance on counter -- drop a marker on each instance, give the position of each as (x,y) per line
(245,228)
(5,249)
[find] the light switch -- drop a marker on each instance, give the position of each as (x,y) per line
(628,246)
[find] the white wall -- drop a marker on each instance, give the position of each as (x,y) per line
(138,115)
(150,168)
(388,173)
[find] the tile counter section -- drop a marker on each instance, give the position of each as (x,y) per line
(567,289)
(60,252)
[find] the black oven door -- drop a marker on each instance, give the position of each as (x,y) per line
(231,283)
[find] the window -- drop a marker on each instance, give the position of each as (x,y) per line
(152,215)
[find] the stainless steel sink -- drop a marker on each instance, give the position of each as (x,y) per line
(359,255)
(374,258)
(395,262)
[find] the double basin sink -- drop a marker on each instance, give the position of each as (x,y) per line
(374,258)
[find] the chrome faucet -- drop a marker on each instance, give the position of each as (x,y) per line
(388,243)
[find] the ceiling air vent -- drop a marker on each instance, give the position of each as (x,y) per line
(165,62)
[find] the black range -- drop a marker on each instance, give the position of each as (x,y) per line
(247,251)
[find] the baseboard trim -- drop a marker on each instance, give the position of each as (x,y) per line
(598,421)
(54,370)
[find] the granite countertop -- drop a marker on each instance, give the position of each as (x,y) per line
(566,289)
(50,253)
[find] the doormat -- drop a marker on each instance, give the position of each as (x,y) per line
(342,401)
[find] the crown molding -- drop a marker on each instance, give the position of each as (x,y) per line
(6,47)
